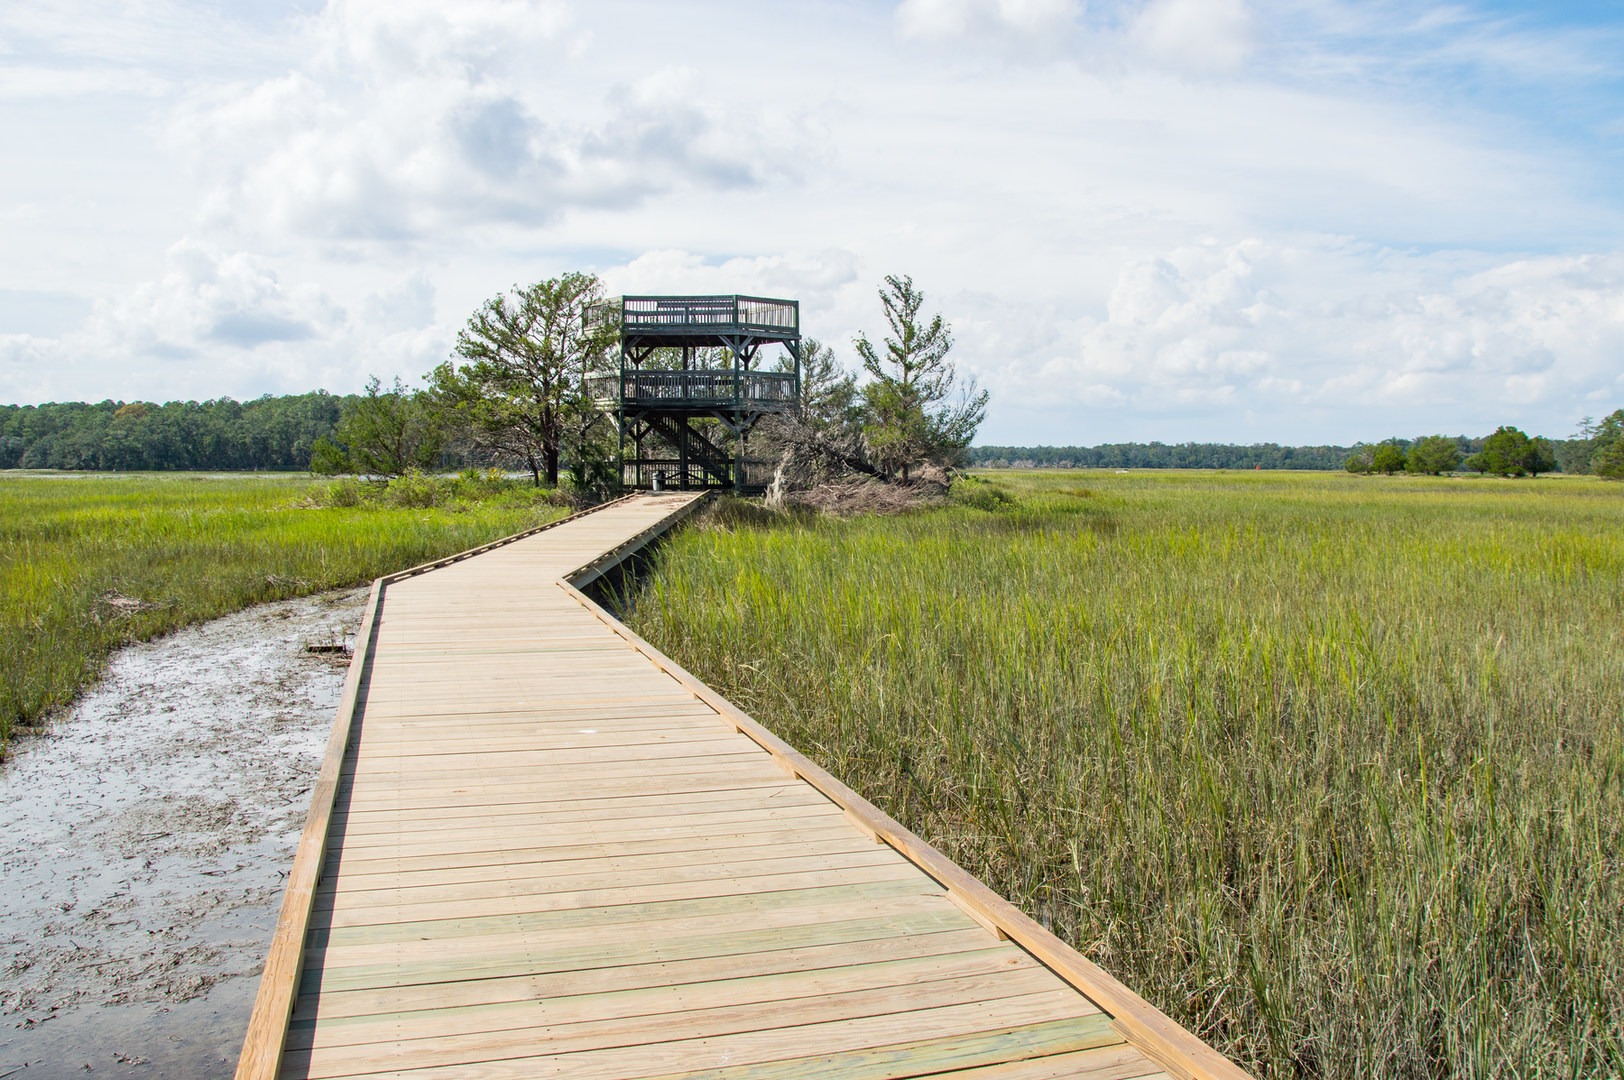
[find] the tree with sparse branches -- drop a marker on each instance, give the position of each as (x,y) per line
(914,412)
(1597,448)
(829,398)
(823,438)
(520,391)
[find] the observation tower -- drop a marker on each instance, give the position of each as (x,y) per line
(691,385)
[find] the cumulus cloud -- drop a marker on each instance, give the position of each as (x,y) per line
(414,118)
(227,322)
(1216,333)
(959,18)
(1202,37)
(815,278)
(1196,35)
(208,296)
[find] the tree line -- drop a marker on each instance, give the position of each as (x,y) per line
(1157,455)
(1596,449)
(269,433)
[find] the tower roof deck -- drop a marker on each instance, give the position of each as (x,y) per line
(701,320)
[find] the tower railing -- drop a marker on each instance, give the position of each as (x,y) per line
(677,314)
(712,386)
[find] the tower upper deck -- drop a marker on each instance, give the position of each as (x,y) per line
(700,321)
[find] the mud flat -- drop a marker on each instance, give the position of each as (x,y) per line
(147,835)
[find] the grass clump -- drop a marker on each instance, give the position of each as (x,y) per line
(471,489)
(1332,773)
(88,564)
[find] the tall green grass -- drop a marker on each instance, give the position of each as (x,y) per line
(87,564)
(1331,769)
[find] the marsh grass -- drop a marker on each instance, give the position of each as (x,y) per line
(87,564)
(1329,768)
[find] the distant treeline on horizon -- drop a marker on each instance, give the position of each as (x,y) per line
(268,433)
(277,433)
(1570,454)
(1156,455)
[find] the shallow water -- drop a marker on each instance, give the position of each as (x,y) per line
(147,837)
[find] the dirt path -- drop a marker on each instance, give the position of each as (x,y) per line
(146,838)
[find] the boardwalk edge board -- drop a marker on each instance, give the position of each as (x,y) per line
(1143,1026)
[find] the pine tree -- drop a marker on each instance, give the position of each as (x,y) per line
(909,417)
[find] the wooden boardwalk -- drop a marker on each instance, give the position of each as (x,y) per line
(539,848)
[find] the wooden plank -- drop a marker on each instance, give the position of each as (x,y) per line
(520,861)
(694,1019)
(562,955)
(529,794)
(742,798)
(655,1000)
(748,801)
(690,861)
(854,1047)
(1121,1062)
(483,850)
(538,732)
(630,776)
(489,763)
(544,987)
(933,1057)
(604,897)
(402,892)
(745,908)
(725,799)
(499,937)
(563,704)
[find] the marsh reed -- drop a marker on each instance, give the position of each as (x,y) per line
(1329,768)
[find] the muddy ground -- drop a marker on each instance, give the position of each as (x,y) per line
(147,837)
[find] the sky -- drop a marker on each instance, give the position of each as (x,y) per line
(1299,221)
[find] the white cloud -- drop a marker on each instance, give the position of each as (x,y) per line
(815,278)
(416,119)
(228,322)
(33,83)
(957,18)
(1211,332)
(1196,35)
(411,39)
(210,298)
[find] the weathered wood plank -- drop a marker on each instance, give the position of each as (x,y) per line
(694,1019)
(641,894)
(545,987)
(1025,1024)
(625,949)
(1121,1062)
(483,855)
(858,919)
(743,908)
(655,1000)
